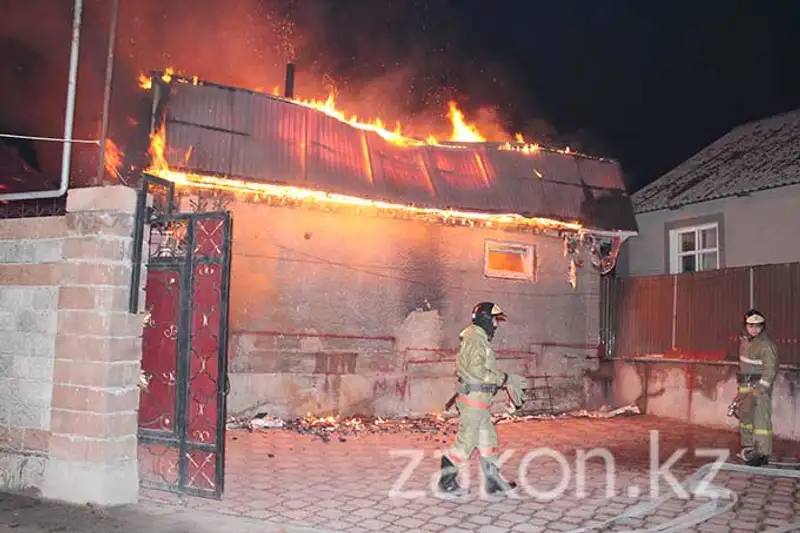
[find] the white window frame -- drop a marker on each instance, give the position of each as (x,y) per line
(528,251)
(675,254)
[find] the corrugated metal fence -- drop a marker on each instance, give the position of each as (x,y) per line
(699,315)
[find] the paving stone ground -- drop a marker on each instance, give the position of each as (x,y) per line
(25,514)
(277,477)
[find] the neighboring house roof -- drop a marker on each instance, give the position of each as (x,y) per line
(248,135)
(756,156)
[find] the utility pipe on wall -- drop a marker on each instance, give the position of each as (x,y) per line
(68,117)
(112,38)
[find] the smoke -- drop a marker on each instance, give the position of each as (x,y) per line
(397,61)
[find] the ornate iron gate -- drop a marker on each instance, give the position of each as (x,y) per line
(184,348)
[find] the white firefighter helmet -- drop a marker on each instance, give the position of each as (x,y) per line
(754,317)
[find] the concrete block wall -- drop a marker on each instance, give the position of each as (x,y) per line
(70,402)
(30,273)
(698,392)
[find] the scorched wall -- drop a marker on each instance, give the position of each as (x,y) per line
(346,313)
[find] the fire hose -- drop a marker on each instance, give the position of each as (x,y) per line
(706,511)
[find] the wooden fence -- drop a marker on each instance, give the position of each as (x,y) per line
(699,315)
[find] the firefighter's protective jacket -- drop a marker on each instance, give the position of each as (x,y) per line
(476,361)
(759,356)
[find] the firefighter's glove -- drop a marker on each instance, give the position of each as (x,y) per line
(516,386)
(144,381)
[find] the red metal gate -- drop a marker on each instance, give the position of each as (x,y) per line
(184,353)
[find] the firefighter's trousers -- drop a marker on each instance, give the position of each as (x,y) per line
(755,421)
(476,430)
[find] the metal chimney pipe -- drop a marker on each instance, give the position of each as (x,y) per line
(289,91)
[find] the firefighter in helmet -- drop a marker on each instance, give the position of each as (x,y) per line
(479,380)
(758,366)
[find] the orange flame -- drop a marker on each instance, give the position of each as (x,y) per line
(521,146)
(146,83)
(528,148)
(158,144)
(286,194)
(112,159)
(328,106)
(462,132)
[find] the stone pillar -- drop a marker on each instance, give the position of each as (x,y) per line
(93,442)
(30,279)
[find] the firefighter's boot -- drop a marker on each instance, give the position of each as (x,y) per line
(495,484)
(448,482)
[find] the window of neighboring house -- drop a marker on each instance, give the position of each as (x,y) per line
(693,249)
(509,260)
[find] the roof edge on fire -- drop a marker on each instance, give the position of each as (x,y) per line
(752,157)
(223,131)
(523,147)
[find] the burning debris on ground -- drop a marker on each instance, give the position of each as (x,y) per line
(603,412)
(340,428)
(332,428)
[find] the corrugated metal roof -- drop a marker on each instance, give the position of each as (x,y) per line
(760,155)
(231,132)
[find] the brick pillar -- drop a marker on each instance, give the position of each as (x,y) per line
(93,446)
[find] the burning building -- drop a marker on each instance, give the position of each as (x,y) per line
(358,252)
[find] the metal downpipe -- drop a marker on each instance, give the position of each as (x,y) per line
(112,38)
(68,117)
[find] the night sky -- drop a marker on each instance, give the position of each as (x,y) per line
(646,83)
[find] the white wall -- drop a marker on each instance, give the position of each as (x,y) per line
(700,393)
